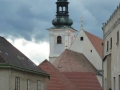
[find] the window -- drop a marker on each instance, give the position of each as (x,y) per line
(119,82)
(17,83)
(28,85)
(38,85)
(117,37)
(63,8)
(59,40)
(60,8)
(114,84)
(107,45)
(81,38)
(111,43)
(91,50)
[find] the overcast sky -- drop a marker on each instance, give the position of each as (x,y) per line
(24,22)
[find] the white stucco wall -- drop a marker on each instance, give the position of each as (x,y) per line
(67,38)
(4,79)
(115,56)
(8,79)
(110,29)
(85,47)
(99,79)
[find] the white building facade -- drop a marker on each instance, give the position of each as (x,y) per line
(61,35)
(111,48)
(60,39)
(83,44)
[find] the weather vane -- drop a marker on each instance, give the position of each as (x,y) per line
(81,20)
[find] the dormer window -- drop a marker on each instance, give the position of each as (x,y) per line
(59,40)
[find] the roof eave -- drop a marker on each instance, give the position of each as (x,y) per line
(8,66)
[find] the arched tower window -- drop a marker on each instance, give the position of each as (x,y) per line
(64,9)
(60,8)
(59,40)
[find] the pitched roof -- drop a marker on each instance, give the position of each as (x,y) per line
(96,41)
(84,80)
(58,81)
(71,61)
(10,57)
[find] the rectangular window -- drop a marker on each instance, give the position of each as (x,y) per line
(119,82)
(28,85)
(17,83)
(107,45)
(38,85)
(117,37)
(114,83)
(81,38)
(111,43)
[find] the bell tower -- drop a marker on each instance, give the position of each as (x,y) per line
(61,35)
(62,18)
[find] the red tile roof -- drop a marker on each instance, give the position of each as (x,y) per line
(57,81)
(71,61)
(96,41)
(84,80)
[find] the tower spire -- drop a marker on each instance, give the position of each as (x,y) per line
(62,17)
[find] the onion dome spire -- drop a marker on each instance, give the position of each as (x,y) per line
(62,17)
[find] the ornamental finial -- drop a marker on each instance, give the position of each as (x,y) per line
(81,22)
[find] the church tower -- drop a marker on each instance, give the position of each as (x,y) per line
(61,35)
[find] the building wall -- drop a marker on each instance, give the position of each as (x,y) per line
(99,79)
(4,79)
(67,39)
(105,75)
(85,46)
(110,29)
(9,80)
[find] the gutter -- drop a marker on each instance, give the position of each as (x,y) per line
(8,66)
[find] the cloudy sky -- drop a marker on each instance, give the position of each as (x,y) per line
(24,22)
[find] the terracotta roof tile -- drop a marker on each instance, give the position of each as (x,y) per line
(96,41)
(84,80)
(71,61)
(57,81)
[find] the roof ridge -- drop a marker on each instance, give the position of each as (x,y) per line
(74,51)
(96,42)
(92,34)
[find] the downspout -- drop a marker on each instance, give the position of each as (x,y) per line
(102,60)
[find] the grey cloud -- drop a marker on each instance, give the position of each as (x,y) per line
(30,18)
(19,20)
(100,10)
